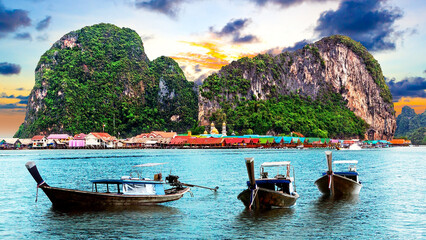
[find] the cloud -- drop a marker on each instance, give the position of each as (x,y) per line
(424,71)
(12,19)
(273,51)
(367,21)
(167,7)
(20,89)
(297,45)
(23,101)
(11,106)
(23,36)
(197,68)
(284,3)
(43,38)
(20,97)
(146,38)
(233,29)
(9,68)
(200,79)
(409,87)
(43,24)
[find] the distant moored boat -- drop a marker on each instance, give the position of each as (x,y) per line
(268,192)
(339,183)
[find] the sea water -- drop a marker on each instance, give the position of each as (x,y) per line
(392,202)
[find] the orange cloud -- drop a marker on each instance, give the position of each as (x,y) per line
(214,57)
(418,104)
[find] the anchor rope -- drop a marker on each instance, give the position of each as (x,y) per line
(253,196)
(38,186)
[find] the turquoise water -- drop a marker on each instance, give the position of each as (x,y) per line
(391,203)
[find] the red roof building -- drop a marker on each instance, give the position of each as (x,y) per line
(80,136)
(38,138)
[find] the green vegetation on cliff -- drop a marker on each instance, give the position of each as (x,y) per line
(100,75)
(326,117)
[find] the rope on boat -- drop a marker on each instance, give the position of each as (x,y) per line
(253,196)
(38,186)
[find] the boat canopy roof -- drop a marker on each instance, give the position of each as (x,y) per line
(274,164)
(346,162)
(120,181)
(149,164)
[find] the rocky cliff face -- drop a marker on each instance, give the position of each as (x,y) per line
(100,76)
(335,64)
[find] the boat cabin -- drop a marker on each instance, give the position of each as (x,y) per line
(275,176)
(128,187)
(134,184)
(350,172)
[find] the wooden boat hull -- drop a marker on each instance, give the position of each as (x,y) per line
(341,185)
(269,198)
(69,198)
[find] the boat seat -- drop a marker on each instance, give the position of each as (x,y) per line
(265,175)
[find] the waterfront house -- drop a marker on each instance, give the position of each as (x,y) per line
(100,140)
(157,134)
(164,142)
(10,143)
(163,134)
(133,142)
(26,143)
(205,142)
(58,140)
(78,141)
(251,142)
(39,141)
(266,141)
(179,141)
(400,142)
(233,142)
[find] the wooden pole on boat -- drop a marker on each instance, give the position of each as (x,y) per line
(252,180)
(192,185)
(330,171)
(250,172)
(329,161)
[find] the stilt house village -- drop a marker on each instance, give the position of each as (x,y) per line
(164,140)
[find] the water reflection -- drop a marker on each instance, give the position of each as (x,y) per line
(144,210)
(269,214)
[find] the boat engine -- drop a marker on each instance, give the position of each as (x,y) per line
(173,181)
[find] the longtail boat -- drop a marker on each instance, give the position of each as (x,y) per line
(130,191)
(268,192)
(339,183)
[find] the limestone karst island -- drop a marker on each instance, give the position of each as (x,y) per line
(96,88)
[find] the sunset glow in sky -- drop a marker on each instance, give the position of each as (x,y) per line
(202,36)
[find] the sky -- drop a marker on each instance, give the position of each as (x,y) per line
(204,35)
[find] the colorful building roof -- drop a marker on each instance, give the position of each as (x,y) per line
(58,136)
(38,137)
(266,140)
(205,141)
(80,136)
(104,136)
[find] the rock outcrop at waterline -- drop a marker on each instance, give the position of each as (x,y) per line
(99,76)
(333,65)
